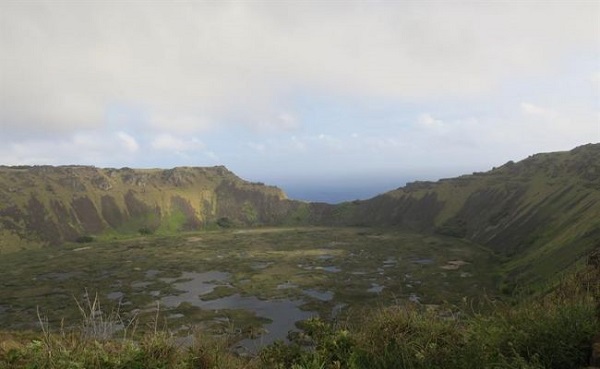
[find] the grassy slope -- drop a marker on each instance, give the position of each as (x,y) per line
(542,214)
(53,204)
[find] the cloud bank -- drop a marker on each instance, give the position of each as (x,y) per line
(161,83)
(193,65)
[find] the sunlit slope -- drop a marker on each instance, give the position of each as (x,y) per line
(542,213)
(53,204)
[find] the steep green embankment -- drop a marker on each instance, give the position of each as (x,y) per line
(52,204)
(542,214)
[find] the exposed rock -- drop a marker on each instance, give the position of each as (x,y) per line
(595,355)
(102,183)
(87,214)
(72,183)
(111,212)
(594,259)
(511,209)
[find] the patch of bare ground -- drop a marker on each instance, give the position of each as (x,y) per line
(454,265)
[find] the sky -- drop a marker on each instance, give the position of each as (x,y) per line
(330,100)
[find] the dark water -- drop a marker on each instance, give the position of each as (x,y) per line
(319,295)
(283,313)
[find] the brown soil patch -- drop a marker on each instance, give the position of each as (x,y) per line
(454,264)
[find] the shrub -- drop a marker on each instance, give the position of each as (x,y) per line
(145,231)
(84,239)
(224,222)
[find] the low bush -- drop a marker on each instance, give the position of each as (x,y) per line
(144,231)
(84,239)
(550,333)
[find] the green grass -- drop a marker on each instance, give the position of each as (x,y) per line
(51,277)
(552,332)
(460,322)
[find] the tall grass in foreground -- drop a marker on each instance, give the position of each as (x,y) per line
(536,336)
(105,341)
(550,332)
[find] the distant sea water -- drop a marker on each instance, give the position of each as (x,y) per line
(334,193)
(334,190)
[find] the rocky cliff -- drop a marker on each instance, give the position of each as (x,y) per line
(542,213)
(53,204)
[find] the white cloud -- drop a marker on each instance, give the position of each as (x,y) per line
(537,111)
(128,142)
(101,149)
(388,84)
(193,65)
(284,121)
(180,121)
(212,156)
(296,144)
(259,147)
(330,143)
(287,121)
(426,120)
(169,142)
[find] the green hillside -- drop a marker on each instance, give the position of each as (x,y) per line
(430,275)
(49,205)
(541,214)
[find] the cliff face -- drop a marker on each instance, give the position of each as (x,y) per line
(53,204)
(542,213)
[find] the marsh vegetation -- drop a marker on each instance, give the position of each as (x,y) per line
(308,297)
(260,281)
